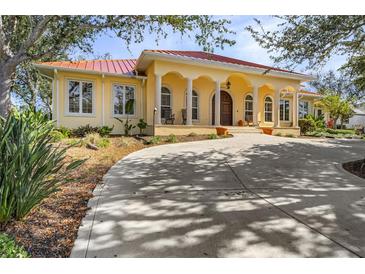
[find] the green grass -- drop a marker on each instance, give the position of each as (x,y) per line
(332,133)
(212,136)
(9,249)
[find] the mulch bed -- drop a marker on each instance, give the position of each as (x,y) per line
(355,168)
(50,229)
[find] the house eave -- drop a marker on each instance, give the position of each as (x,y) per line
(59,68)
(146,57)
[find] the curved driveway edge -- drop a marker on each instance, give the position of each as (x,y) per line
(198,200)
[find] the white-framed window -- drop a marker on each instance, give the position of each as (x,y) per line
(268,109)
(80,97)
(195,104)
(165,103)
(284,110)
(303,109)
(121,95)
(249,108)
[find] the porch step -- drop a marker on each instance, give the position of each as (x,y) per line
(240,130)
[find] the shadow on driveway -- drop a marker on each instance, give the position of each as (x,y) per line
(190,201)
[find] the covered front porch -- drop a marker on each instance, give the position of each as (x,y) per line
(183,98)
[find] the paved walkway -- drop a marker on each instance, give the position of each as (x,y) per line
(249,196)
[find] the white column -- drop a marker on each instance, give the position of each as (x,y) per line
(102,101)
(295,109)
(189,101)
(277,109)
(255,105)
(158,99)
(217,107)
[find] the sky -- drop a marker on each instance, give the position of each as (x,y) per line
(246,48)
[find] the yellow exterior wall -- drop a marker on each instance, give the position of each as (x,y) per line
(174,76)
(96,119)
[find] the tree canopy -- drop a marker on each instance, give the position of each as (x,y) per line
(331,83)
(34,38)
(313,40)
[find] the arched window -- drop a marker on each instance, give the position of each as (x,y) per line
(249,108)
(268,109)
(195,104)
(165,103)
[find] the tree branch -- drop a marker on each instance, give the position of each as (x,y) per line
(34,35)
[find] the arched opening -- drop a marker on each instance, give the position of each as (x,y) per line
(226,114)
(195,105)
(166,108)
(248,111)
(268,109)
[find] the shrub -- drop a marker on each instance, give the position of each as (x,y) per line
(212,136)
(310,123)
(142,125)
(154,140)
(128,109)
(56,135)
(103,142)
(66,132)
(290,135)
(82,131)
(171,138)
(9,249)
(31,168)
(105,131)
(278,134)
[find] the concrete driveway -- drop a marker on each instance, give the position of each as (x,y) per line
(249,196)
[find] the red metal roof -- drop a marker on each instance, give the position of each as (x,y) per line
(218,58)
(125,66)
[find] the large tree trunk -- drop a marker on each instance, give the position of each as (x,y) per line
(6,74)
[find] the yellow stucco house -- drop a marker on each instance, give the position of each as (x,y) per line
(179,92)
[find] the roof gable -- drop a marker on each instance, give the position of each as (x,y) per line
(217,58)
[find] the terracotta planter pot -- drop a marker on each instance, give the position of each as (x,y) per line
(221,130)
(267,131)
(240,123)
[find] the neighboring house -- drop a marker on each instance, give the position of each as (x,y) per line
(187,88)
(358,119)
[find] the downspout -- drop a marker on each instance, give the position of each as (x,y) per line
(57,99)
(102,100)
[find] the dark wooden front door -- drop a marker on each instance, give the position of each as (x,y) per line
(226,109)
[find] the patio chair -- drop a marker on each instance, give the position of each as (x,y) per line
(183,114)
(169,117)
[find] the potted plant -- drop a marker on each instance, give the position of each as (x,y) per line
(221,130)
(240,123)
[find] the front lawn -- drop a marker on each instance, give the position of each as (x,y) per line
(50,229)
(333,133)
